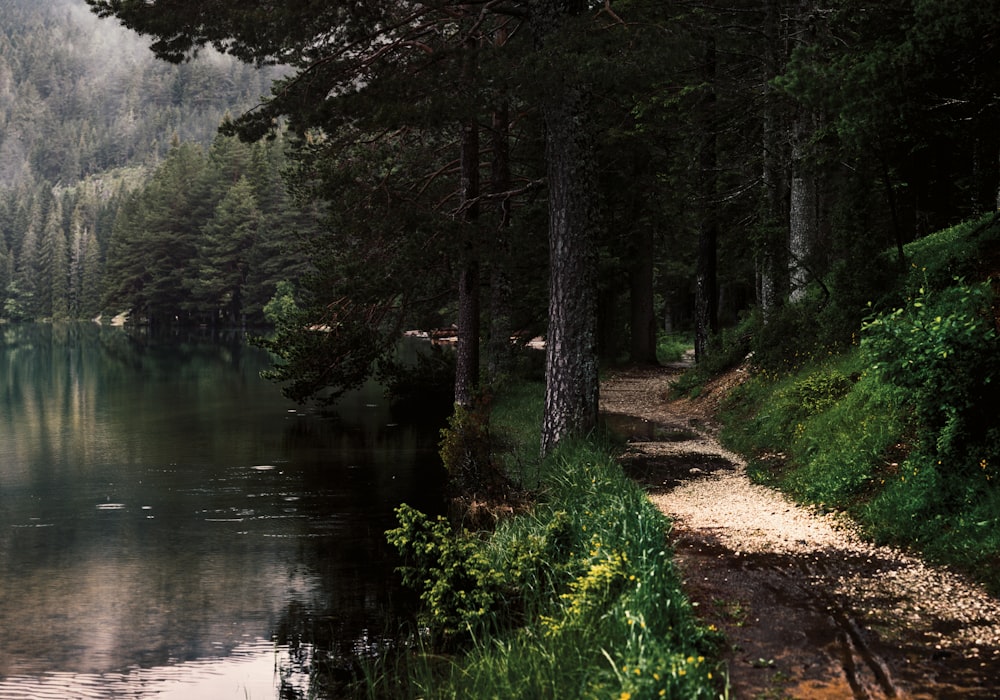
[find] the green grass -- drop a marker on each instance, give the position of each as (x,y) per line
(585,603)
(671,347)
(514,424)
(896,429)
(864,453)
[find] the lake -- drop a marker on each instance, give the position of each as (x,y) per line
(172,527)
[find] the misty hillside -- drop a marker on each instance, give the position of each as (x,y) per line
(117,194)
(79,95)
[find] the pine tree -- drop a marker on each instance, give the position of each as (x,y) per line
(226,252)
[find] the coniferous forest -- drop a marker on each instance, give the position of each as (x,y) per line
(116,192)
(598,172)
(808,189)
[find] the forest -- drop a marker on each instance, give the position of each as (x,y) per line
(600,173)
(101,148)
(808,189)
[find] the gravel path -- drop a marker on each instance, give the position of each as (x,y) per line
(809,609)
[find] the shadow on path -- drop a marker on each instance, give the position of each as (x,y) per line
(812,623)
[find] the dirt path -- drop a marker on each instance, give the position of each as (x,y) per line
(809,610)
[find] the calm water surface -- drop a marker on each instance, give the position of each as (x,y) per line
(171,527)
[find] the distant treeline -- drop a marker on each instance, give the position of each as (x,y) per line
(115,192)
(204,238)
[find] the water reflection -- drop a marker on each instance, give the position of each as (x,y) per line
(165,513)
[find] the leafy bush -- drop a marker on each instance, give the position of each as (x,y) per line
(467,586)
(952,253)
(943,350)
(790,337)
(466,448)
(819,391)
(671,347)
(517,413)
(771,409)
(727,350)
(459,587)
(576,598)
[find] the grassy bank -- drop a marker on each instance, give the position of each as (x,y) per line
(897,428)
(576,597)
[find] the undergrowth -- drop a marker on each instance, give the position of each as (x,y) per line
(672,347)
(896,428)
(575,598)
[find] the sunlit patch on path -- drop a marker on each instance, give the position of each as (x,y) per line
(809,609)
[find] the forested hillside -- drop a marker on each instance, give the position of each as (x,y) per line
(79,96)
(593,171)
(87,118)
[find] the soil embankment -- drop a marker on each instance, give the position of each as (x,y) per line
(808,608)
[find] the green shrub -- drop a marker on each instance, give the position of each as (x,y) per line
(936,260)
(459,587)
(844,448)
(769,411)
(517,413)
(466,448)
(819,391)
(672,347)
(726,350)
(943,350)
(576,598)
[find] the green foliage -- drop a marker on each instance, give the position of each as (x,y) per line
(897,431)
(672,347)
(943,350)
(726,350)
(282,308)
(460,588)
(517,413)
(467,449)
(470,586)
(955,252)
(818,391)
(579,597)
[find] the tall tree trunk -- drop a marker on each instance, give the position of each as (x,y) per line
(771,272)
(571,360)
(706,283)
(501,330)
(467,352)
(642,348)
(803,225)
(803,198)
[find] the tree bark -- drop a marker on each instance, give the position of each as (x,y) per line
(501,330)
(706,283)
(803,226)
(571,358)
(803,204)
(642,348)
(571,362)
(467,352)
(771,272)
